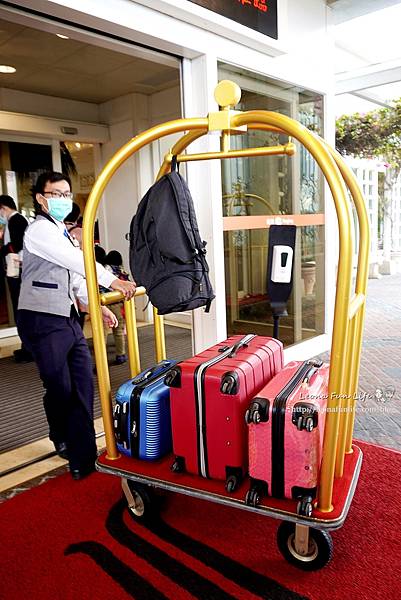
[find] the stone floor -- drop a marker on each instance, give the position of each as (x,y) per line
(378,415)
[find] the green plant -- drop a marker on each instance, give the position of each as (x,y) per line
(308,241)
(375,134)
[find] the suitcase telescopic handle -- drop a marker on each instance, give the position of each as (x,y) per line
(243,343)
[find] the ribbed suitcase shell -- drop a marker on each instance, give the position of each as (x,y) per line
(153,408)
(301,450)
(210,424)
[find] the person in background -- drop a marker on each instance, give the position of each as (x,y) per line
(100,255)
(113,262)
(15,226)
(53,279)
(73,223)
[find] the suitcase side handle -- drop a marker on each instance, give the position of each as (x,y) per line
(315,366)
(147,374)
(243,343)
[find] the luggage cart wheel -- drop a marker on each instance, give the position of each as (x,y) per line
(141,504)
(317,552)
(232,483)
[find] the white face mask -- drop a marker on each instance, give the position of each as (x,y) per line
(59,208)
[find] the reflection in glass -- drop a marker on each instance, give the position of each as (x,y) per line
(278,186)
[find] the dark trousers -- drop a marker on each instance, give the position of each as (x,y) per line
(65,367)
(14,286)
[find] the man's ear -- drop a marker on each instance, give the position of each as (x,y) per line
(42,201)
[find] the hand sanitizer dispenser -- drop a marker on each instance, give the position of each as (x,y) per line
(279,270)
(282,264)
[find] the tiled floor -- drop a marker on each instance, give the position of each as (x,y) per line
(378,411)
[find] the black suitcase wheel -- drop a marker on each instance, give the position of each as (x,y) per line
(140,500)
(178,465)
(320,549)
(252,415)
(252,497)
(309,424)
(232,483)
(305,507)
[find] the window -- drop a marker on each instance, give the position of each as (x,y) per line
(276,186)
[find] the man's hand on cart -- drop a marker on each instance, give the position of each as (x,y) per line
(109,318)
(126,287)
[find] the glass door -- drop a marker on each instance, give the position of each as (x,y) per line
(20,165)
(261,191)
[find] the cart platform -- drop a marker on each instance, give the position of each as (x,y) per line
(158,474)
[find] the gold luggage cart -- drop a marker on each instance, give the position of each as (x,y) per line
(303,540)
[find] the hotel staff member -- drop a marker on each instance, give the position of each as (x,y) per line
(53,279)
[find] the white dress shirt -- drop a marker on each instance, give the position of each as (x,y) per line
(52,244)
(7,238)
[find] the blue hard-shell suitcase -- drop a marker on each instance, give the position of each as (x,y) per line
(141,415)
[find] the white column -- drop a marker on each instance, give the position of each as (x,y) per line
(204,179)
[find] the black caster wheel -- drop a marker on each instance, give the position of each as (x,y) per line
(320,547)
(141,503)
(252,415)
(309,425)
(252,497)
(178,465)
(232,483)
(305,507)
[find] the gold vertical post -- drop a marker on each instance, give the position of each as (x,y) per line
(160,342)
(361,285)
(346,400)
(360,316)
(132,337)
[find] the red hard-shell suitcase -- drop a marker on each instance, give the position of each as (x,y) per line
(286,425)
(209,395)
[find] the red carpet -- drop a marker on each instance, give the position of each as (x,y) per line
(74,540)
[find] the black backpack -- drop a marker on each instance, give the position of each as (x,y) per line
(167,255)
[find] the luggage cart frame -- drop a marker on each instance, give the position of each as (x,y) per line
(341,461)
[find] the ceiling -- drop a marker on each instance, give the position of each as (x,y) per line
(367,53)
(71,69)
(344,10)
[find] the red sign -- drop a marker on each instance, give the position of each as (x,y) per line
(260,15)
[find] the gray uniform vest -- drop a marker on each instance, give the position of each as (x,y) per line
(45,287)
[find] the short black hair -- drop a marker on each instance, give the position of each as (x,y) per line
(114,259)
(7,201)
(100,254)
(39,186)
